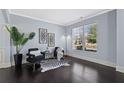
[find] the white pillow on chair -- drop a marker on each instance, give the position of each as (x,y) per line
(36,53)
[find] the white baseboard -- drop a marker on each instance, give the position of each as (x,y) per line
(120,69)
(106,63)
(103,62)
(5,65)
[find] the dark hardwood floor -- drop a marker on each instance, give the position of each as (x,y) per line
(80,71)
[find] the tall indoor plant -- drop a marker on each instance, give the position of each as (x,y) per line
(19,40)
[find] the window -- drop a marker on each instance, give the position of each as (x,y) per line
(90,37)
(77,38)
(85,37)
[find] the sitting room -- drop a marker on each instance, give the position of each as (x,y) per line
(61,46)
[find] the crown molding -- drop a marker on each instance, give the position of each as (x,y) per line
(34,18)
(89,16)
(66,24)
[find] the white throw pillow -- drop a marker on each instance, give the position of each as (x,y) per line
(36,53)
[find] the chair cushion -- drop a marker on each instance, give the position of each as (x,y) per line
(36,53)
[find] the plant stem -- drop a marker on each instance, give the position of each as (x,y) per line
(21,48)
(17,51)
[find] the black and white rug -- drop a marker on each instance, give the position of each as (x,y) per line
(53,64)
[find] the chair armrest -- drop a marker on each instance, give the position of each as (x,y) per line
(43,53)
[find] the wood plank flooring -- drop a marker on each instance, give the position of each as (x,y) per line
(80,71)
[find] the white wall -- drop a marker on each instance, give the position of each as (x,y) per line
(4,42)
(120,38)
(106,39)
(28,25)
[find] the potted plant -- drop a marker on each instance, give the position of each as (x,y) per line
(19,40)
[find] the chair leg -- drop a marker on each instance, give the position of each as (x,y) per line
(33,67)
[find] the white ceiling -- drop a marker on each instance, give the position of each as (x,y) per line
(57,16)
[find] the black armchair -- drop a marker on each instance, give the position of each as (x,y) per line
(34,59)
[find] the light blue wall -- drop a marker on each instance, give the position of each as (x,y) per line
(4,41)
(106,38)
(120,37)
(27,25)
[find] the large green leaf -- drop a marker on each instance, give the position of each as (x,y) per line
(31,35)
(21,39)
(8,29)
(15,33)
(24,41)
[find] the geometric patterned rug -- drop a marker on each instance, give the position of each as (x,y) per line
(50,64)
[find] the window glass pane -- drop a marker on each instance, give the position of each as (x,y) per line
(77,38)
(90,35)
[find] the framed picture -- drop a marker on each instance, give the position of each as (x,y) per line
(77,38)
(51,39)
(42,36)
(90,36)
